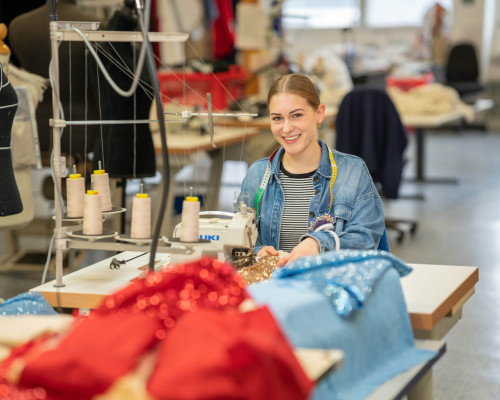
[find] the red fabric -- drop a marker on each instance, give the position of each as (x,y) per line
(207,349)
(9,391)
(107,344)
(223,30)
(215,354)
(93,355)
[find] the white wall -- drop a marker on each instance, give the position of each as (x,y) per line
(488,37)
(494,65)
(474,21)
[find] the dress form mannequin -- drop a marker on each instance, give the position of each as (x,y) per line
(10,200)
(29,37)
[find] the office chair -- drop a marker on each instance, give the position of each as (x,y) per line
(368,126)
(462,70)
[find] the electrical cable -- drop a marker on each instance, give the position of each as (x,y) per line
(85,131)
(47,262)
(159,109)
(140,62)
(58,191)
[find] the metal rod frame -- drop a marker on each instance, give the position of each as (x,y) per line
(60,31)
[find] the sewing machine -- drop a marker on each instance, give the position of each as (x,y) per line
(223,235)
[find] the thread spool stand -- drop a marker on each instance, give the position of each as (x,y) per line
(92,228)
(80,231)
(69,31)
(89,31)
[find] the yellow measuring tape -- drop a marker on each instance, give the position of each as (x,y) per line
(267,175)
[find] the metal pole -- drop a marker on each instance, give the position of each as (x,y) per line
(420,151)
(56,136)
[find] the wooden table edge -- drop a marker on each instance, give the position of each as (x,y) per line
(429,321)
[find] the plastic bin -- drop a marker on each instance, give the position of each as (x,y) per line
(409,82)
(191,89)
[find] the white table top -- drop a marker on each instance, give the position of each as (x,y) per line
(437,120)
(191,141)
(87,287)
(431,291)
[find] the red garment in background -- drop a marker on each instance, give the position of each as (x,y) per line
(223,30)
(154,28)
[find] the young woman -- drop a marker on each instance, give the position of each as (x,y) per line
(309,198)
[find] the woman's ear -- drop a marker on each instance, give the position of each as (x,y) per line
(320,114)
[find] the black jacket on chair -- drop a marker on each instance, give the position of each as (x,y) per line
(368,126)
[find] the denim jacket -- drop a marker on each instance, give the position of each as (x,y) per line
(356,215)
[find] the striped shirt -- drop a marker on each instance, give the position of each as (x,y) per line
(298,190)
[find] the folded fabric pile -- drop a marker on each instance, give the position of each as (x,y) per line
(430,99)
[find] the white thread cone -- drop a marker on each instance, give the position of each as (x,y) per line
(190,220)
(141,218)
(75,193)
(100,182)
(92,215)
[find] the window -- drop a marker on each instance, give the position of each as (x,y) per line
(387,13)
(311,14)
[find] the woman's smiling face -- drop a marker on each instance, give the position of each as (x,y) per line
(293,122)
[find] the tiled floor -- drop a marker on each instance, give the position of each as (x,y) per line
(458,225)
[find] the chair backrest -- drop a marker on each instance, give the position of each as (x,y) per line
(368,126)
(462,64)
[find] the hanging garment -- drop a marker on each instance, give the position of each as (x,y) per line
(29,38)
(223,30)
(30,89)
(128,149)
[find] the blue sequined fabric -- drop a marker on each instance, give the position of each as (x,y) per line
(31,303)
(346,277)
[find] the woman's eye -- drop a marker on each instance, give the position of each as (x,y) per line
(276,119)
(297,115)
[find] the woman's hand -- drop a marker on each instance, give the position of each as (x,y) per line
(308,247)
(267,251)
